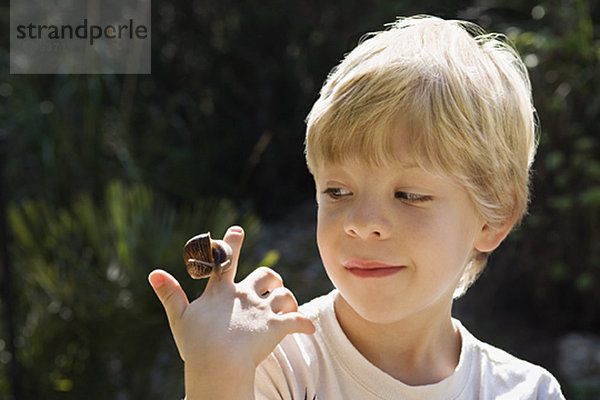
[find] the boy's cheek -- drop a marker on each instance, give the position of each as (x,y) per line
(329,217)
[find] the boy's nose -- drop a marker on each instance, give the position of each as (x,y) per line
(368,221)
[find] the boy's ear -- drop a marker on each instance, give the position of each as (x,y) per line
(490,237)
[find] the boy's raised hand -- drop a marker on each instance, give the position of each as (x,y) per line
(225,333)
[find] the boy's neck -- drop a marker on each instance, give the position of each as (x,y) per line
(420,350)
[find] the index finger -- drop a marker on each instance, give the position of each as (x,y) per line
(234,238)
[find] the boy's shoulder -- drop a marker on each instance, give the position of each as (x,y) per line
(315,307)
(493,367)
(326,365)
(502,372)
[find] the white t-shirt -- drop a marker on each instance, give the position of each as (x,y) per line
(326,366)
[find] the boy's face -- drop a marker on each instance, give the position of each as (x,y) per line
(394,240)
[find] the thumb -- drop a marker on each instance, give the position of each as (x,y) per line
(170,294)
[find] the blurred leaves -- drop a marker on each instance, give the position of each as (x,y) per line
(89,322)
(108,175)
(567,178)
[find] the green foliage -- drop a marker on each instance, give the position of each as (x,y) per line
(584,391)
(91,320)
(222,115)
(564,65)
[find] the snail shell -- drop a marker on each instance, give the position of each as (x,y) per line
(202,256)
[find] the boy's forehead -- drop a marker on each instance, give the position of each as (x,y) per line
(352,163)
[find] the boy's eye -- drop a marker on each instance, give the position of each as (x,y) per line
(412,197)
(336,193)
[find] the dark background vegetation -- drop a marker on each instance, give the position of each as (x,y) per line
(104,177)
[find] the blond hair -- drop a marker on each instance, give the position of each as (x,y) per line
(464,97)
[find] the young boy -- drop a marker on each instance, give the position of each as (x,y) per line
(421,145)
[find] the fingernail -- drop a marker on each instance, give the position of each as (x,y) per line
(236,229)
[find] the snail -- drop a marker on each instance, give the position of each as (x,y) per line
(202,256)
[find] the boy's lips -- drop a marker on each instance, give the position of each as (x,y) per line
(371,269)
